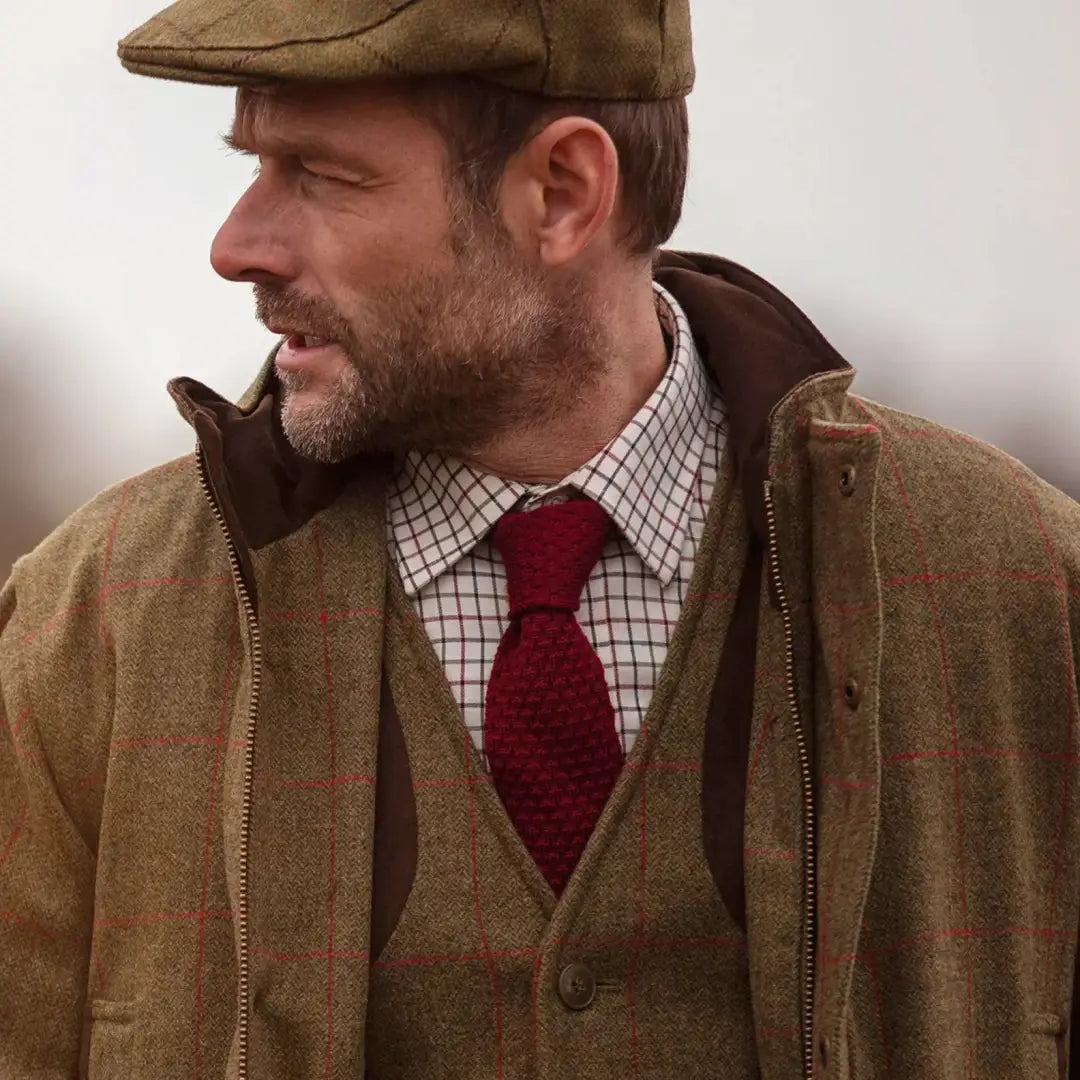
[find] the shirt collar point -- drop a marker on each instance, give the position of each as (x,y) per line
(668,569)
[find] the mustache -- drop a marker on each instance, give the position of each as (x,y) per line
(281,306)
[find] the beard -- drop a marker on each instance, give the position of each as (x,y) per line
(444,361)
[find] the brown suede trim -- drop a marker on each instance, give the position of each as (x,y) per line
(263,488)
(396,843)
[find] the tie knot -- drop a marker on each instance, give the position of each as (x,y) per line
(550,552)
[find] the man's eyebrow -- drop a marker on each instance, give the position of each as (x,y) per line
(232,143)
(308,144)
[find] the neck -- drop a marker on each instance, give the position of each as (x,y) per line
(547,453)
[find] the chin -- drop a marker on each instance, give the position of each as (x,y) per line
(318,428)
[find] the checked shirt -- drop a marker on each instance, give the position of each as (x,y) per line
(655,480)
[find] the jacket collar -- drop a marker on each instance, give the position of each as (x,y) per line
(755,343)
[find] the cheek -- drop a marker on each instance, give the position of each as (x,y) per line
(393,240)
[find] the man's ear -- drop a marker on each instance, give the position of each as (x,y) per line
(560,191)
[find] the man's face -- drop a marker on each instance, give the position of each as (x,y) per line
(412,321)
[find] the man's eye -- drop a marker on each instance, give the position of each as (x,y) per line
(313,174)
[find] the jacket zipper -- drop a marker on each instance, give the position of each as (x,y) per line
(809,861)
(255,639)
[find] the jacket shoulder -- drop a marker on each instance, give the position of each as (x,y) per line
(154,527)
(136,577)
(954,485)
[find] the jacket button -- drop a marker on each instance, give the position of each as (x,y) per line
(577,986)
(847,480)
(852,694)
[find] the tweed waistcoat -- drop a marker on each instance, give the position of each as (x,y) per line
(468,983)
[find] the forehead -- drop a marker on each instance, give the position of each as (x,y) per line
(307,115)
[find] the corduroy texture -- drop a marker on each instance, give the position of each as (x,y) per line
(618,49)
(934,593)
(549,733)
(640,911)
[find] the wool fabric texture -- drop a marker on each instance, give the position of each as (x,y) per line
(551,741)
(618,49)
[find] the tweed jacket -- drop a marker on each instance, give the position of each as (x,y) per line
(199,858)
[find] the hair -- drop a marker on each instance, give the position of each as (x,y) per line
(484,125)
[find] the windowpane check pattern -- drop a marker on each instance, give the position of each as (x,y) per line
(655,480)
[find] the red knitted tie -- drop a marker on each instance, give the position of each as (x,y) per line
(549,729)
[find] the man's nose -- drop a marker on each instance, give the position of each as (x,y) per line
(253,244)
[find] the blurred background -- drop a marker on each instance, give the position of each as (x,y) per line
(908,173)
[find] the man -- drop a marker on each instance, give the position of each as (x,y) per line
(550,668)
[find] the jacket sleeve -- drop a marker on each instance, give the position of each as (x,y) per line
(47,866)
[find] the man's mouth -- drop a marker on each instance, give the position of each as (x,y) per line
(308,341)
(299,350)
(297,339)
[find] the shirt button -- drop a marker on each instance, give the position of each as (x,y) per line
(577,986)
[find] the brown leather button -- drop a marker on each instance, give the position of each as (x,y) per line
(847,480)
(852,693)
(577,986)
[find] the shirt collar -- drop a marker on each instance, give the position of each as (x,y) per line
(440,508)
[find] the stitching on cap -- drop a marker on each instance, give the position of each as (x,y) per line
(136,49)
(380,55)
(542,16)
(511,15)
(182,34)
(206,27)
(363,43)
(658,77)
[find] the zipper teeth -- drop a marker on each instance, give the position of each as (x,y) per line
(809,862)
(255,638)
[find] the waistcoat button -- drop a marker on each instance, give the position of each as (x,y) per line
(847,480)
(577,986)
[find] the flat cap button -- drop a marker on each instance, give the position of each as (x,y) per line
(577,986)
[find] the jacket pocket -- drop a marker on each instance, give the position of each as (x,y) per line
(112,1032)
(1044,1046)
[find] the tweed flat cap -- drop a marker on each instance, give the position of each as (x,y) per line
(610,49)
